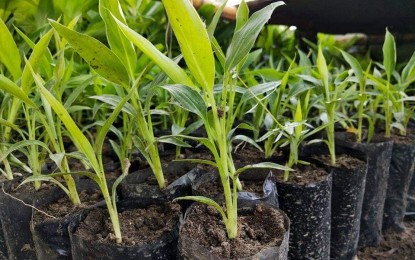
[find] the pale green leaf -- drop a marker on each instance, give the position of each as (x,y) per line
(389,54)
(177,74)
(35,60)
(263,165)
(120,45)
(323,71)
(354,63)
(188,99)
(79,139)
(95,53)
(10,87)
(199,161)
(19,145)
(243,39)
(9,53)
(242,15)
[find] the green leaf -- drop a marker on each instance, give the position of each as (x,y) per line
(188,99)
(298,117)
(354,63)
(19,145)
(177,74)
(199,161)
(35,178)
(9,53)
(99,142)
(173,140)
(242,15)
(193,39)
(96,54)
(121,46)
(323,71)
(389,54)
(35,60)
(249,140)
(263,165)
(206,201)
(113,101)
(10,87)
(243,39)
(79,139)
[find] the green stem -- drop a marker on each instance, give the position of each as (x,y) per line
(330,133)
(112,209)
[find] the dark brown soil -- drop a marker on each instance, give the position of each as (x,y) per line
(262,229)
(342,160)
(215,187)
(64,207)
(303,174)
(138,226)
(394,246)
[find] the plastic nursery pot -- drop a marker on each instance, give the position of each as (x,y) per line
(308,205)
(16,213)
(203,235)
(257,187)
(410,209)
(142,184)
(348,186)
(400,176)
(50,235)
(378,154)
(90,240)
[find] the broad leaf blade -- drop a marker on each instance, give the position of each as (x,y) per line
(95,53)
(188,99)
(35,60)
(193,39)
(177,74)
(121,46)
(389,54)
(243,39)
(354,63)
(9,53)
(10,87)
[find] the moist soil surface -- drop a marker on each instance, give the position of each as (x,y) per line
(138,226)
(303,174)
(395,246)
(342,160)
(64,207)
(214,187)
(256,232)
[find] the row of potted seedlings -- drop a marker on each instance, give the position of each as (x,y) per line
(250,138)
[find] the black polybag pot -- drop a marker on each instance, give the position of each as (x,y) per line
(164,248)
(348,186)
(15,218)
(135,186)
(190,248)
(400,176)
(410,209)
(268,194)
(51,236)
(309,209)
(378,160)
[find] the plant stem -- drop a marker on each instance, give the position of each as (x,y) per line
(112,209)
(330,132)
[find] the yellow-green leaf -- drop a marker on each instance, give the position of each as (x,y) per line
(193,39)
(11,87)
(9,53)
(177,74)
